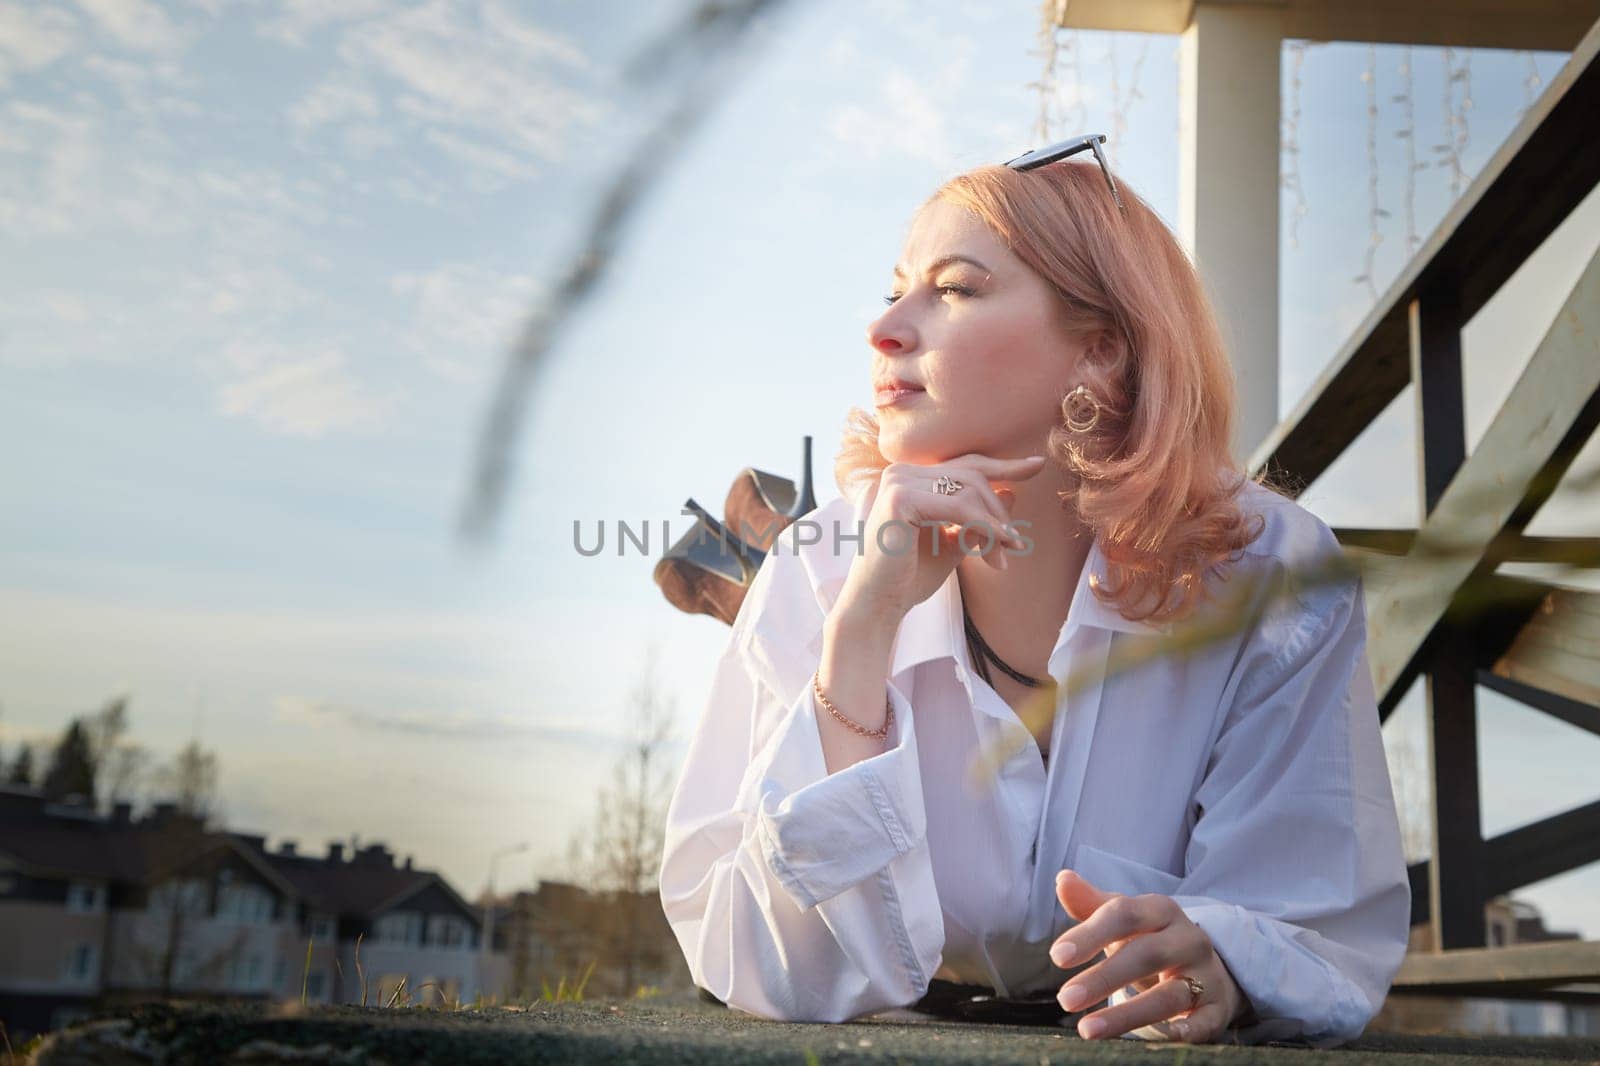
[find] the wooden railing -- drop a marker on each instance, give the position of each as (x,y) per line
(1436,605)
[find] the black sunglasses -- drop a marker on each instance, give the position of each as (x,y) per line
(1087,143)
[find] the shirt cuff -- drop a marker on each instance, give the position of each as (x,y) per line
(1295,995)
(823,833)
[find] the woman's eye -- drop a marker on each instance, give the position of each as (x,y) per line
(961,289)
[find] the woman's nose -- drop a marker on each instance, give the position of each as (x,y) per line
(887,337)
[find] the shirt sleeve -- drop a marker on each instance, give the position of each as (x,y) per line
(1295,867)
(797,894)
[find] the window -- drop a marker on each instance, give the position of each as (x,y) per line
(314,983)
(186,967)
(448,931)
(81,962)
(187,896)
(246,904)
(246,971)
(85,897)
(399,927)
(324,929)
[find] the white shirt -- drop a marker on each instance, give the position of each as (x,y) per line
(1246,781)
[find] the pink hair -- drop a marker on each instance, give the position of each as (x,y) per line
(1157,479)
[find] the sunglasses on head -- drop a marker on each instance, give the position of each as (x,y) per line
(1088,143)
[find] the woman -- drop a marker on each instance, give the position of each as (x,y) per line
(867,806)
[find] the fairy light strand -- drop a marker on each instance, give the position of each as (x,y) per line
(1289,175)
(1374,212)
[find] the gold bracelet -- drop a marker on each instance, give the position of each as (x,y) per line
(855,727)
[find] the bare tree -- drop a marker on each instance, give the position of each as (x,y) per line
(190,782)
(179,860)
(1413,793)
(619,856)
(118,763)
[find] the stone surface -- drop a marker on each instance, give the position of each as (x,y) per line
(670,1030)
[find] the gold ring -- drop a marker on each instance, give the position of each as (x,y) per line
(1195,989)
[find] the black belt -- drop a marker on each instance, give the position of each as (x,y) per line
(979,1003)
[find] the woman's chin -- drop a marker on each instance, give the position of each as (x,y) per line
(920,451)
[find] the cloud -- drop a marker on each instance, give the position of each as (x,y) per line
(907,123)
(75,176)
(483,84)
(136,24)
(296,20)
(33,37)
(337,99)
(306,397)
(463,316)
(146,85)
(480,727)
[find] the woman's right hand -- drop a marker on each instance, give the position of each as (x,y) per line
(889,578)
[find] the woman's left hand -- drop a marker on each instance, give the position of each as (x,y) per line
(1150,943)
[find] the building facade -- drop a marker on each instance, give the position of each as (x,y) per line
(97,909)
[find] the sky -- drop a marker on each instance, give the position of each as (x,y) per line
(264,263)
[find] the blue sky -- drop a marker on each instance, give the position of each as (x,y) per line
(264,260)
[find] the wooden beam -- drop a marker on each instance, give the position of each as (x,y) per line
(1434,328)
(1559,649)
(1515,548)
(1544,25)
(1417,875)
(1550,413)
(1550,846)
(1545,167)
(1494,971)
(1585,716)
(1456,889)
(1522,856)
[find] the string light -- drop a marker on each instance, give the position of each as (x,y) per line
(1120,105)
(1060,47)
(1456,131)
(1374,212)
(1409,135)
(1530,84)
(1289,177)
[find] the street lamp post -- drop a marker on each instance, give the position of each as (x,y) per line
(486,941)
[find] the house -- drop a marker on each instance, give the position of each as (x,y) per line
(98,908)
(615,943)
(411,925)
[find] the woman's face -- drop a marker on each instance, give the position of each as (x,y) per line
(981,335)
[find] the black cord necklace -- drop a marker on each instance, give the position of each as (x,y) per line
(980,653)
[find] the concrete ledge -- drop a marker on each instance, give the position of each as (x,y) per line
(680,1030)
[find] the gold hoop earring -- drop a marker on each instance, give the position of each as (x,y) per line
(1083,410)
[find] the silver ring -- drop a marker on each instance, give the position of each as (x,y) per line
(946,485)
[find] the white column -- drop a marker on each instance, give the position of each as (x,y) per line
(1228,92)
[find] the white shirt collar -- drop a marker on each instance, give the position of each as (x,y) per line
(785,638)
(933,628)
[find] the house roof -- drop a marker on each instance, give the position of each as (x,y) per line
(347,887)
(72,841)
(368,885)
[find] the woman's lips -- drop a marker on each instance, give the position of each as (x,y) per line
(891,397)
